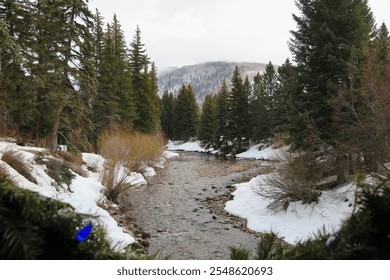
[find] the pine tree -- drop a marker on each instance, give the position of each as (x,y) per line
(144,87)
(327,33)
(167,117)
(259,108)
(155,98)
(208,121)
(106,107)
(186,114)
(127,110)
(287,81)
(16,99)
(237,114)
(221,116)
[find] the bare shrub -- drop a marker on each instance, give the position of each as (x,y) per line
(126,152)
(299,179)
(16,161)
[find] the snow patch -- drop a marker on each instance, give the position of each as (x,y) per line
(187,147)
(259,151)
(300,221)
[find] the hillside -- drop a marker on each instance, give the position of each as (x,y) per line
(206,77)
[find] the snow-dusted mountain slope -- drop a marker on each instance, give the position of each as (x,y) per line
(206,77)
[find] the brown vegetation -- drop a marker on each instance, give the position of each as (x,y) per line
(16,161)
(124,153)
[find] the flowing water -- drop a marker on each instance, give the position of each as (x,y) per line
(182,207)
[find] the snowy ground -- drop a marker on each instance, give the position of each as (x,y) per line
(258,151)
(83,194)
(300,221)
(193,146)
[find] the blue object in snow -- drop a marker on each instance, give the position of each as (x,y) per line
(84,233)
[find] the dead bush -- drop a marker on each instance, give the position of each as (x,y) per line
(15,159)
(299,179)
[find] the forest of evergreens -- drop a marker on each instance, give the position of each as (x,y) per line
(65,76)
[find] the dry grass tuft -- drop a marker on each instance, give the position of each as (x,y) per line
(131,150)
(16,161)
(126,152)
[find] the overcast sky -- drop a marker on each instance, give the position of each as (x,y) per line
(185,32)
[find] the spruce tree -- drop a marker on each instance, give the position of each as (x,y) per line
(186,114)
(327,33)
(16,98)
(106,106)
(208,121)
(237,114)
(167,117)
(259,108)
(127,110)
(287,86)
(222,135)
(144,87)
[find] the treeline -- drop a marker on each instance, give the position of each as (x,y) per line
(332,101)
(65,76)
(242,111)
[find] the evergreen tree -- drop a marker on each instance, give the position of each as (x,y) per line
(260,117)
(221,116)
(16,99)
(327,33)
(106,107)
(58,59)
(208,121)
(186,114)
(144,87)
(287,86)
(167,117)
(155,99)
(270,86)
(98,39)
(127,110)
(237,114)
(114,105)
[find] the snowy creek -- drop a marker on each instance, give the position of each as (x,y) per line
(182,207)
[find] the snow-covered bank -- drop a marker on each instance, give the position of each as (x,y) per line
(194,146)
(262,152)
(258,151)
(85,194)
(300,221)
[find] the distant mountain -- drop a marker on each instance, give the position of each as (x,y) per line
(205,78)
